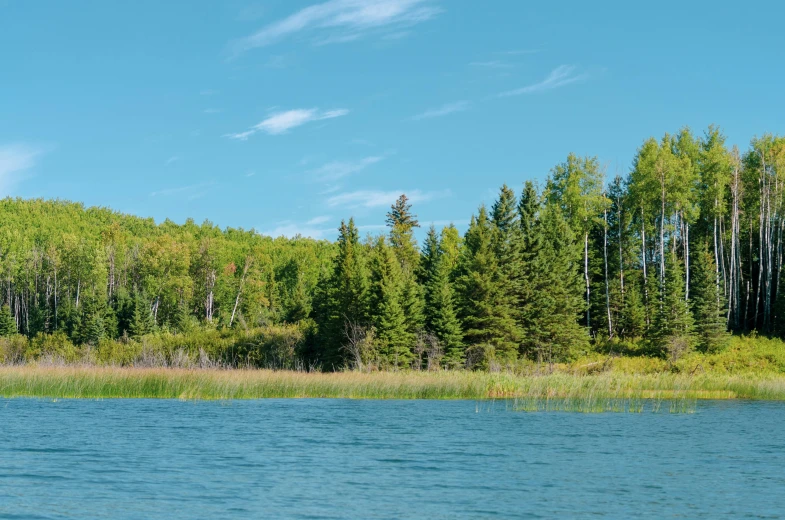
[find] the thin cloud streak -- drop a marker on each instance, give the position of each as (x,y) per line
(339,169)
(282,122)
(561,76)
(15,160)
(443,110)
(340,21)
(190,192)
(377,198)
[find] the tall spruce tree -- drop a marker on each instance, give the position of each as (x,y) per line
(7,322)
(386,299)
(441,318)
(555,291)
(343,301)
(484,311)
(673,331)
(707,303)
(508,248)
(142,320)
(402,223)
(633,316)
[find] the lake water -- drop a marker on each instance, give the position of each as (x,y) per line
(314,458)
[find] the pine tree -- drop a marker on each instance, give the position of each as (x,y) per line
(440,316)
(707,303)
(508,248)
(633,317)
(182,319)
(673,330)
(386,299)
(7,322)
(142,321)
(402,222)
(413,303)
(94,329)
(555,291)
(484,310)
(341,299)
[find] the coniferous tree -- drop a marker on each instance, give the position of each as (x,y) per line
(183,322)
(94,329)
(555,296)
(7,322)
(343,301)
(386,299)
(508,248)
(707,303)
(486,316)
(402,222)
(441,318)
(632,323)
(142,321)
(673,330)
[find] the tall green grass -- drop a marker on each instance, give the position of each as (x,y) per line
(602,392)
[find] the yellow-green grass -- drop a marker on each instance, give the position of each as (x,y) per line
(609,390)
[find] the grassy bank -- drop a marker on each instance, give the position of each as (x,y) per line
(529,392)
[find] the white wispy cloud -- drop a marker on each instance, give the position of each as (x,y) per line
(338,169)
(338,21)
(211,110)
(377,198)
(559,77)
(15,161)
(208,92)
(449,108)
(190,192)
(318,220)
(492,64)
(172,159)
(291,229)
(282,122)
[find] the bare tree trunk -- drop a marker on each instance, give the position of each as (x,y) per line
(586,276)
(687,259)
(605,255)
(240,289)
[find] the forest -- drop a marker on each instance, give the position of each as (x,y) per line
(677,256)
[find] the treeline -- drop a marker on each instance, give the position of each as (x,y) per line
(668,258)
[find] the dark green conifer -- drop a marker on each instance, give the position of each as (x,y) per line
(707,303)
(386,299)
(673,333)
(402,222)
(440,316)
(633,315)
(484,309)
(7,322)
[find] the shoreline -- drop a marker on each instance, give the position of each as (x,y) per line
(88,382)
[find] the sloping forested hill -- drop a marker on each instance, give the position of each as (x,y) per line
(665,260)
(94,273)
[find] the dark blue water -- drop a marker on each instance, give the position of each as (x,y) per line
(139,459)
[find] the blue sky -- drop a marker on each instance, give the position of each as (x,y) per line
(286,116)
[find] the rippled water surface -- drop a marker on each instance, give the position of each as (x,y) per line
(384,459)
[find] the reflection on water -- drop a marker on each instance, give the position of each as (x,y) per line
(384,459)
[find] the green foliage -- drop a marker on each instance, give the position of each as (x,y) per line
(707,303)
(7,323)
(673,330)
(387,300)
(484,306)
(555,291)
(533,279)
(441,318)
